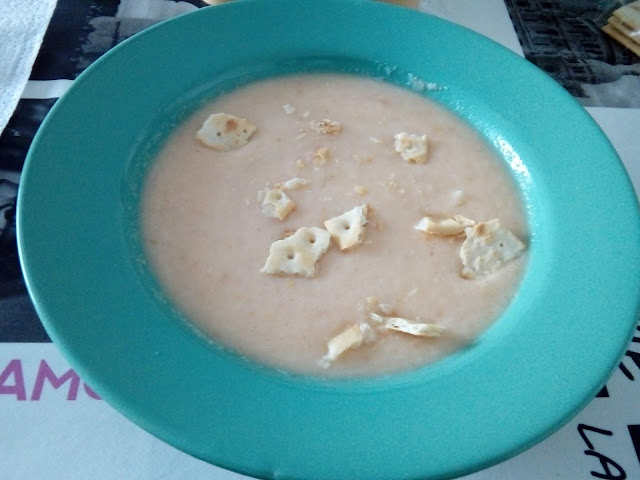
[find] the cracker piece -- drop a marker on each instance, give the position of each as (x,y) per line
(298,253)
(326,126)
(413,148)
(225,132)
(488,247)
(440,226)
(623,28)
(629,15)
(350,338)
(418,329)
(349,228)
(277,204)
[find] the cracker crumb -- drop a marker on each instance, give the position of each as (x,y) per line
(322,156)
(420,85)
(300,163)
(368,334)
(467,222)
(289,109)
(375,140)
(360,190)
(411,147)
(295,183)
(362,160)
(459,198)
(374,306)
(326,126)
(386,308)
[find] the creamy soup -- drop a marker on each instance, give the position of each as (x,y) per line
(207,237)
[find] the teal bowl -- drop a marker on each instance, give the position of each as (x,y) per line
(542,361)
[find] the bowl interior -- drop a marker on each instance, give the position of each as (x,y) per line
(482,118)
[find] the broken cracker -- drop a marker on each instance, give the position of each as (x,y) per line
(298,253)
(418,329)
(350,338)
(225,132)
(349,228)
(488,247)
(277,204)
(440,226)
(413,148)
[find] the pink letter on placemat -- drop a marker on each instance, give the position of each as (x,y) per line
(45,373)
(14,367)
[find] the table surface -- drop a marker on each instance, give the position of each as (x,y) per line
(52,425)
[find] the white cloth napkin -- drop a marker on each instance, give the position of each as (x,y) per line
(22,27)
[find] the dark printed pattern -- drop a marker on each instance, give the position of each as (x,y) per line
(17,136)
(81,31)
(632,355)
(563,38)
(18,319)
(634,433)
